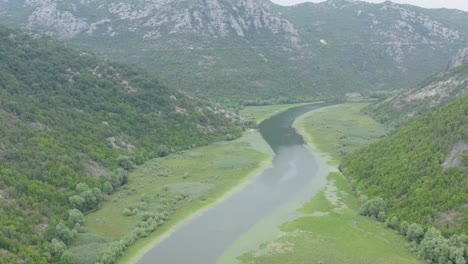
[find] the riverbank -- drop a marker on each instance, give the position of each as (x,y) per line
(194,181)
(330,230)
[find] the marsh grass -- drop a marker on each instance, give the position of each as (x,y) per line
(331,231)
(336,235)
(179,185)
(340,129)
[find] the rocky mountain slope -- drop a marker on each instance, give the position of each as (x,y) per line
(71,119)
(431,93)
(308,50)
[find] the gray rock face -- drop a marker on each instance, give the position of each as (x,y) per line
(438,90)
(156,18)
(459,59)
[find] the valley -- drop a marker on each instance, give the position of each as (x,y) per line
(328,228)
(232,131)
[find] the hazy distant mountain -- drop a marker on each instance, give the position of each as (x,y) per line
(248,48)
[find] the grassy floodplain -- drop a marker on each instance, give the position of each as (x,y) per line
(331,231)
(182,184)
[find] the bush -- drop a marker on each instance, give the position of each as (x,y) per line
(64,233)
(373,207)
(392,223)
(163,151)
(67,258)
(75,217)
(58,247)
(415,233)
(107,188)
(404,227)
(129,212)
(125,162)
(381,216)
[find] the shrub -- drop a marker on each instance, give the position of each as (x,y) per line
(373,207)
(404,227)
(107,188)
(129,212)
(415,233)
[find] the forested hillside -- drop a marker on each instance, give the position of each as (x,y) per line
(421,171)
(71,125)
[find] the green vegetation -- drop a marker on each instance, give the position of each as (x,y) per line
(416,169)
(338,130)
(331,230)
(167,191)
(72,126)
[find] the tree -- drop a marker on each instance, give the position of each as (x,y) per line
(107,188)
(392,223)
(373,207)
(75,217)
(90,201)
(67,258)
(415,233)
(81,187)
(76,201)
(404,227)
(163,151)
(58,247)
(125,163)
(64,233)
(434,247)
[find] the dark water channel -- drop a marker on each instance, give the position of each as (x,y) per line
(294,176)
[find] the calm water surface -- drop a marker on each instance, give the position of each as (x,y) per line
(293,177)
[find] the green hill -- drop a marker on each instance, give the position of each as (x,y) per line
(71,120)
(421,171)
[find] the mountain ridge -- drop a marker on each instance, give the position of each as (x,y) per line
(305,51)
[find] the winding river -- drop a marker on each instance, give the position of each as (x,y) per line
(272,197)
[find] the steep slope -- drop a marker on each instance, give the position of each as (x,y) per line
(309,50)
(388,45)
(421,171)
(431,93)
(70,119)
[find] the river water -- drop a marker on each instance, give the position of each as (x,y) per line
(296,175)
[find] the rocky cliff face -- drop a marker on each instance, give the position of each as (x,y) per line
(459,59)
(157,18)
(403,30)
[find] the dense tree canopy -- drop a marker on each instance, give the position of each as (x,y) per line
(71,125)
(414,169)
